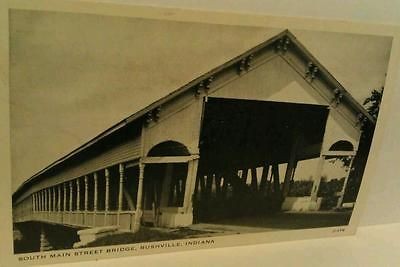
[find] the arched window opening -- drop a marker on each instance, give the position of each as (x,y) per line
(168,148)
(342,145)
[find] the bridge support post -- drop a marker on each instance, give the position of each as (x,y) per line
(190,185)
(59,198)
(78,195)
(292,163)
(139,212)
(37,201)
(86,199)
(48,204)
(39,196)
(341,197)
(70,200)
(317,181)
(107,198)
(64,200)
(46,200)
(49,193)
(121,190)
(43,201)
(290,169)
(95,198)
(49,200)
(34,202)
(78,202)
(53,191)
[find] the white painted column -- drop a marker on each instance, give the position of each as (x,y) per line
(86,197)
(139,212)
(86,193)
(190,185)
(47,198)
(78,195)
(34,202)
(53,191)
(39,198)
(65,197)
(59,198)
(288,176)
(340,200)
(50,202)
(317,179)
(107,197)
(70,195)
(43,200)
(121,190)
(291,163)
(38,201)
(95,197)
(52,199)
(46,201)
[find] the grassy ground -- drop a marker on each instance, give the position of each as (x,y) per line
(280,221)
(146,234)
(287,220)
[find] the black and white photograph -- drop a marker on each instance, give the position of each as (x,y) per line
(129,130)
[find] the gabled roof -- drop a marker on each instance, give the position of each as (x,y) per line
(284,35)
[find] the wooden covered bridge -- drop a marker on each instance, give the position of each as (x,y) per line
(195,153)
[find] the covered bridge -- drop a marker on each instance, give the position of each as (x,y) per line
(214,144)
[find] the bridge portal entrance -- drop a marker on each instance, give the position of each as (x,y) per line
(164,181)
(249,152)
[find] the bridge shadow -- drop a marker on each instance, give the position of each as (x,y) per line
(28,237)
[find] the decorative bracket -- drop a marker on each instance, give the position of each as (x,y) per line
(361,120)
(311,71)
(282,45)
(153,115)
(244,64)
(156,113)
(149,118)
(338,95)
(204,86)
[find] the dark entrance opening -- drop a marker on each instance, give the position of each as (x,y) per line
(238,137)
(164,183)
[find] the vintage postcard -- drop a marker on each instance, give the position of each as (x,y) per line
(139,130)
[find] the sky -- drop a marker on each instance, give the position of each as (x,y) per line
(74,75)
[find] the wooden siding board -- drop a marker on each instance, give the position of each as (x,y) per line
(125,151)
